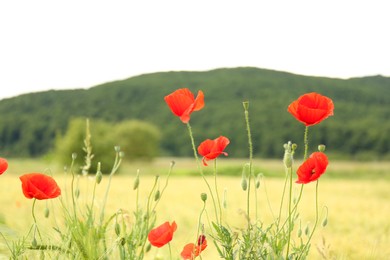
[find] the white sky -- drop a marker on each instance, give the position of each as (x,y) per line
(79,44)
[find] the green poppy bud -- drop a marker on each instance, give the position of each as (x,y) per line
(117,229)
(157,195)
(203,196)
(244,184)
(46,212)
(321,148)
(245,104)
(136,181)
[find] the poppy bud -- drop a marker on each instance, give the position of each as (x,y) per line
(244,184)
(157,195)
(245,105)
(121,154)
(258,179)
(203,196)
(136,181)
(46,212)
(225,199)
(307,230)
(294,147)
(99,174)
(74,156)
(34,243)
(325,222)
(77,193)
(148,247)
(117,148)
(321,148)
(299,232)
(288,158)
(117,229)
(172,163)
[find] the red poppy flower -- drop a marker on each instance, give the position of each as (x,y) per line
(190,251)
(162,234)
(39,186)
(312,168)
(3,165)
(182,103)
(211,149)
(311,108)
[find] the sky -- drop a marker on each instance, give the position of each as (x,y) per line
(79,44)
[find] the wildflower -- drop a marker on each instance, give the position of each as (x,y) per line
(311,108)
(39,186)
(312,168)
(3,165)
(182,103)
(162,234)
(211,149)
(190,251)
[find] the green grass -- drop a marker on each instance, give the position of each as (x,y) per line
(357,195)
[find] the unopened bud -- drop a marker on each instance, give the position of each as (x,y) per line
(321,148)
(99,175)
(136,181)
(244,184)
(307,230)
(121,154)
(157,195)
(299,232)
(258,180)
(117,229)
(46,212)
(74,156)
(225,199)
(34,242)
(77,193)
(325,222)
(288,157)
(203,197)
(117,148)
(294,147)
(245,104)
(148,247)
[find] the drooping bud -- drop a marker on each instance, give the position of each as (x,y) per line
(46,212)
(244,182)
(136,181)
(77,193)
(307,229)
(203,197)
(157,195)
(258,180)
(117,229)
(148,247)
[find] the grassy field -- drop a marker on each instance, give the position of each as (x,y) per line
(357,195)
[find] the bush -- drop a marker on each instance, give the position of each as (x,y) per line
(139,140)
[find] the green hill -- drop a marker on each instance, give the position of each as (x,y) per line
(359,128)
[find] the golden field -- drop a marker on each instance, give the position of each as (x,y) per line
(359,208)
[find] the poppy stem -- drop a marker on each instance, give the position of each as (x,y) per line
(290,228)
(200,169)
(35,220)
(306,142)
(246,106)
(216,190)
(315,224)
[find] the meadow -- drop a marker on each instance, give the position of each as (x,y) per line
(356,194)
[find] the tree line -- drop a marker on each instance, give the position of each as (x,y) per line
(31,123)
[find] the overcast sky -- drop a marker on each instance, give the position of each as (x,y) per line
(79,44)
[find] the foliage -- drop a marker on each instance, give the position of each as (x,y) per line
(137,139)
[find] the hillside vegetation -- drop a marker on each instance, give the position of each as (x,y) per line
(359,129)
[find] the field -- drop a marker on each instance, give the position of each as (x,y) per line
(356,194)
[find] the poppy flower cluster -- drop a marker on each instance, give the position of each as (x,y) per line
(211,149)
(190,251)
(311,169)
(162,234)
(311,108)
(182,103)
(39,186)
